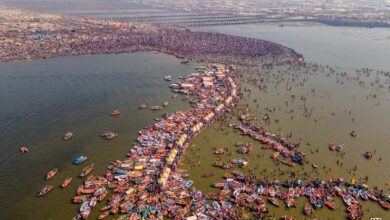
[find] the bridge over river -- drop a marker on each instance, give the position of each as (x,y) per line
(198,20)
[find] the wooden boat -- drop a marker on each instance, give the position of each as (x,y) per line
(308,209)
(85,210)
(87,170)
(82,190)
(383,203)
(275,155)
(102,195)
(271,192)
(23,150)
(155,107)
(103,215)
(224,192)
(330,204)
(45,190)
(143,106)
(116,112)
(288,163)
(51,173)
(273,201)
(79,199)
(68,135)
(66,182)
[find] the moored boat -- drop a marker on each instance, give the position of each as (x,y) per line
(308,209)
(273,201)
(330,204)
(383,203)
(103,215)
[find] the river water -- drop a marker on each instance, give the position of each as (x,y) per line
(43,99)
(40,100)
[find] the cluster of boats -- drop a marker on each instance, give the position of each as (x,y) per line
(253,194)
(84,172)
(272,141)
(148,184)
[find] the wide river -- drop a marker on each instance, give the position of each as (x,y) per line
(40,100)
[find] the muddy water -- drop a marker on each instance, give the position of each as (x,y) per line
(41,100)
(329,98)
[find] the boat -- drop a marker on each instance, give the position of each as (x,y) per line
(224,192)
(384,204)
(271,192)
(51,173)
(273,201)
(168,78)
(79,199)
(85,209)
(116,112)
(93,201)
(288,163)
(308,209)
(68,135)
(103,215)
(251,198)
(143,106)
(347,200)
(275,155)
(66,182)
(109,135)
(330,204)
(45,190)
(185,61)
(314,165)
(155,107)
(87,170)
(187,184)
(290,202)
(23,150)
(79,159)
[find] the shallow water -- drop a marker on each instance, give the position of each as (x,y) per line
(329,96)
(43,99)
